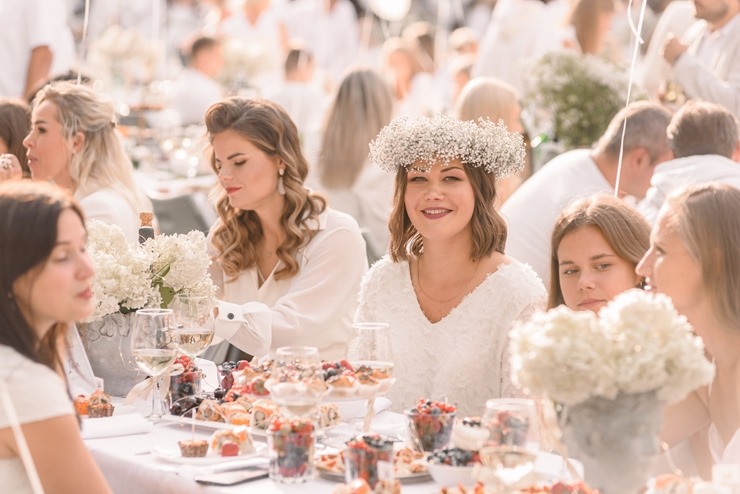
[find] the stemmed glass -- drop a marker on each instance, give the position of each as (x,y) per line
(154,348)
(513,443)
(297,385)
(371,342)
(195,325)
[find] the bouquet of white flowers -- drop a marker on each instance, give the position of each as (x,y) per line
(129,277)
(637,343)
(577,95)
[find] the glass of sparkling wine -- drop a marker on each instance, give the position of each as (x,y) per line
(154,348)
(195,323)
(513,443)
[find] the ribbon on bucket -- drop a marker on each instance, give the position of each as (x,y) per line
(147,386)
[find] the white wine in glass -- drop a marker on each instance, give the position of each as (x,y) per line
(154,348)
(195,323)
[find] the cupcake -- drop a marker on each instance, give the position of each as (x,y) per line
(193,448)
(99,405)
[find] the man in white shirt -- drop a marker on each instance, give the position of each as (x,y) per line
(705,139)
(707,65)
(196,88)
(532,209)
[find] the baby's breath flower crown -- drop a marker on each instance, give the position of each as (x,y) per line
(426,141)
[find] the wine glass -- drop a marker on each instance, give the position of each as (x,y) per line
(296,383)
(195,323)
(371,342)
(154,348)
(513,442)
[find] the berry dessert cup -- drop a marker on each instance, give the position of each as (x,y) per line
(361,457)
(430,424)
(290,443)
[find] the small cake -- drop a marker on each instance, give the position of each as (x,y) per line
(99,405)
(231,442)
(81,404)
(193,448)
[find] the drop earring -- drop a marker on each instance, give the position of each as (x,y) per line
(280,185)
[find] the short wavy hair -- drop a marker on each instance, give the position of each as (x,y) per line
(235,235)
(623,227)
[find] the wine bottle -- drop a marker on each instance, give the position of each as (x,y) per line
(146,230)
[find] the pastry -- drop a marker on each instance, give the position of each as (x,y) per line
(231,442)
(99,405)
(193,448)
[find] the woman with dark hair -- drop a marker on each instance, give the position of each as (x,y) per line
(288,267)
(15,120)
(447,289)
(596,245)
(45,278)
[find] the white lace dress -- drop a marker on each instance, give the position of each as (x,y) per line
(464,357)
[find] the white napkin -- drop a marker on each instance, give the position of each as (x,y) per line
(117,425)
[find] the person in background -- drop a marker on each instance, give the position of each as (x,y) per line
(46,279)
(447,289)
(196,88)
(414,92)
(596,245)
(694,259)
(590,21)
(533,208)
(705,139)
(361,107)
(73,142)
(488,97)
(15,122)
(287,267)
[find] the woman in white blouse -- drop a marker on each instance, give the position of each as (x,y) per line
(288,268)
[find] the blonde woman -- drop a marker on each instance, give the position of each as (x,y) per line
(361,107)
(288,268)
(73,143)
(491,98)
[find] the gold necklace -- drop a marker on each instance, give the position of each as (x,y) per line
(464,290)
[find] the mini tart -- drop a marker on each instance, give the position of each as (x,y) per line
(100,410)
(193,448)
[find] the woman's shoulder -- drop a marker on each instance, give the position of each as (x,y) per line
(519,278)
(385,272)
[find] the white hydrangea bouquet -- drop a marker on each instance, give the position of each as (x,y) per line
(130,277)
(638,343)
(576,95)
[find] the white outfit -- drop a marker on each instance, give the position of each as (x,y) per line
(306,104)
(369,201)
(692,170)
(676,19)
(313,308)
(111,206)
(23,26)
(519,32)
(333,36)
(193,93)
(27,381)
(723,453)
(710,68)
(532,209)
(465,356)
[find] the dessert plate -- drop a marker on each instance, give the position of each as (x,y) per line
(170,452)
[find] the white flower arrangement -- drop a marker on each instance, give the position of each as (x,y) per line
(424,141)
(637,343)
(124,55)
(243,62)
(130,277)
(578,94)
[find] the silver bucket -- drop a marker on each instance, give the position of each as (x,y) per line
(108,346)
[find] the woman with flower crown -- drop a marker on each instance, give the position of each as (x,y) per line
(447,289)
(694,259)
(287,267)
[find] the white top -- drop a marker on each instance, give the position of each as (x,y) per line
(28,382)
(23,27)
(193,93)
(465,356)
(723,453)
(110,206)
(532,209)
(692,170)
(716,79)
(369,201)
(313,308)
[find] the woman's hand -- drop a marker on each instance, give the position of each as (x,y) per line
(10,167)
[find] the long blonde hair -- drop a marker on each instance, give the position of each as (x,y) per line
(361,107)
(236,233)
(102,162)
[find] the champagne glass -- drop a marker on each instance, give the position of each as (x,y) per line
(297,385)
(371,342)
(513,441)
(195,323)
(154,348)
